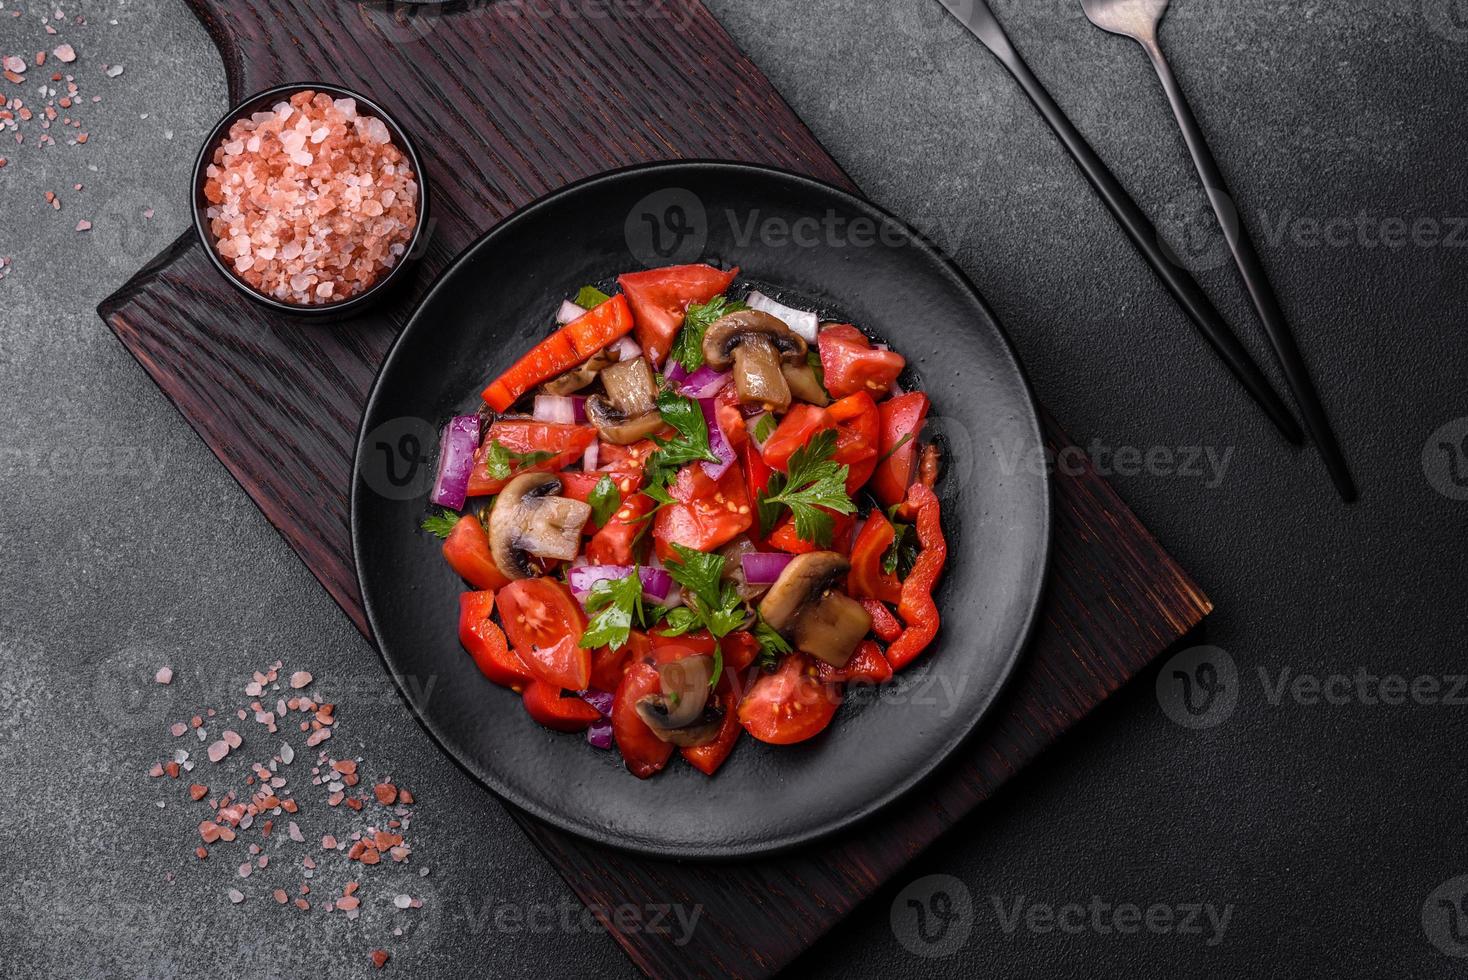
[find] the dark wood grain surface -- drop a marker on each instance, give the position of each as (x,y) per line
(509,101)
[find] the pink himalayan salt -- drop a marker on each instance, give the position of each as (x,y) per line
(310,203)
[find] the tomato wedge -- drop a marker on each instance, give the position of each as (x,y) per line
(794,431)
(707,515)
(790,705)
(485,641)
(608,666)
(852,364)
(561,351)
(731,419)
(644,753)
(858,433)
(616,544)
(565,442)
(544,623)
(867,666)
(628,460)
(902,418)
(867,578)
(562,714)
(466,549)
(842,526)
(659,299)
(709,757)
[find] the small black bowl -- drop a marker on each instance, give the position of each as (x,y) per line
(260,103)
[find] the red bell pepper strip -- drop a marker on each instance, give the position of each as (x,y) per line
(486,642)
(884,624)
(545,704)
(577,341)
(466,549)
(867,578)
(902,419)
(917,608)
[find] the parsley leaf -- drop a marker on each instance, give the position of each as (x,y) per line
(691,444)
(604,499)
(763,427)
(441,524)
(502,462)
(814,481)
(614,601)
(709,601)
(589,298)
(902,553)
(813,358)
(771,644)
(688,347)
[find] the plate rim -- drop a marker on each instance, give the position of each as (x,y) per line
(786,843)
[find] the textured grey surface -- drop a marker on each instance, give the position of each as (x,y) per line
(1322,828)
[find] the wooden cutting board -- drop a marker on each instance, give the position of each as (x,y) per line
(510,100)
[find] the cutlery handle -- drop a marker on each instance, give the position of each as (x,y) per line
(1144,236)
(1256,280)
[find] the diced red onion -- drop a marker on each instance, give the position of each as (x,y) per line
(626,348)
(555,408)
(592,456)
(764,567)
(704,383)
(600,700)
(675,372)
(600,734)
(568,312)
(717,442)
(456,461)
(656,582)
(802,322)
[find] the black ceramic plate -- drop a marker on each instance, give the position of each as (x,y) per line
(810,245)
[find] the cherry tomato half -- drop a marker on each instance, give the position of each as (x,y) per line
(642,751)
(544,623)
(790,705)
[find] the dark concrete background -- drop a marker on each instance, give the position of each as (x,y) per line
(1323,830)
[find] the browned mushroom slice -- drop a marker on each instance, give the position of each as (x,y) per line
(755,344)
(628,411)
(806,604)
(682,714)
(804,385)
(577,378)
(529,518)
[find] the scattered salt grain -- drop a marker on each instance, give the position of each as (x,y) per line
(65,52)
(113,71)
(85,225)
(235,896)
(300,679)
(402,901)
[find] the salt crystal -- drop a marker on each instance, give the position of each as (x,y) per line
(300,679)
(287,754)
(114,70)
(65,52)
(235,895)
(231,737)
(295,832)
(87,226)
(246,869)
(218,750)
(402,901)
(16,64)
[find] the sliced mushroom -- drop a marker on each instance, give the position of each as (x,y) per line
(755,344)
(804,385)
(529,518)
(832,627)
(806,605)
(682,714)
(628,411)
(577,378)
